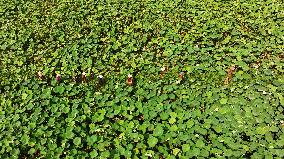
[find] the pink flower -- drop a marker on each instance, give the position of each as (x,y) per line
(58,77)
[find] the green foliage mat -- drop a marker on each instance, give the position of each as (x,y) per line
(200,117)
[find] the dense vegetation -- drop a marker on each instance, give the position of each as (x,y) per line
(228,104)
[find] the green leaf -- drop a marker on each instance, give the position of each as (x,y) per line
(224,110)
(200,143)
(93,154)
(158,131)
(168,52)
(189,124)
(24,96)
(32,151)
(195,151)
(152,141)
(59,89)
(30,106)
(164,115)
(243,65)
(226,40)
(261,130)
(172,120)
(46,93)
(281,98)
(25,139)
(69,134)
(185,147)
(274,129)
(189,69)
(164,96)
(223,100)
(176,151)
(66,109)
(218,129)
(173,114)
(77,141)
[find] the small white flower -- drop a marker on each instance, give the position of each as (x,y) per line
(84,73)
(100,76)
(129,76)
(163,69)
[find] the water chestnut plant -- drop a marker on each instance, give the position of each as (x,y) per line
(91,79)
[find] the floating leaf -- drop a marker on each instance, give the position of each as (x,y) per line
(77,141)
(152,141)
(158,131)
(59,89)
(223,100)
(185,147)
